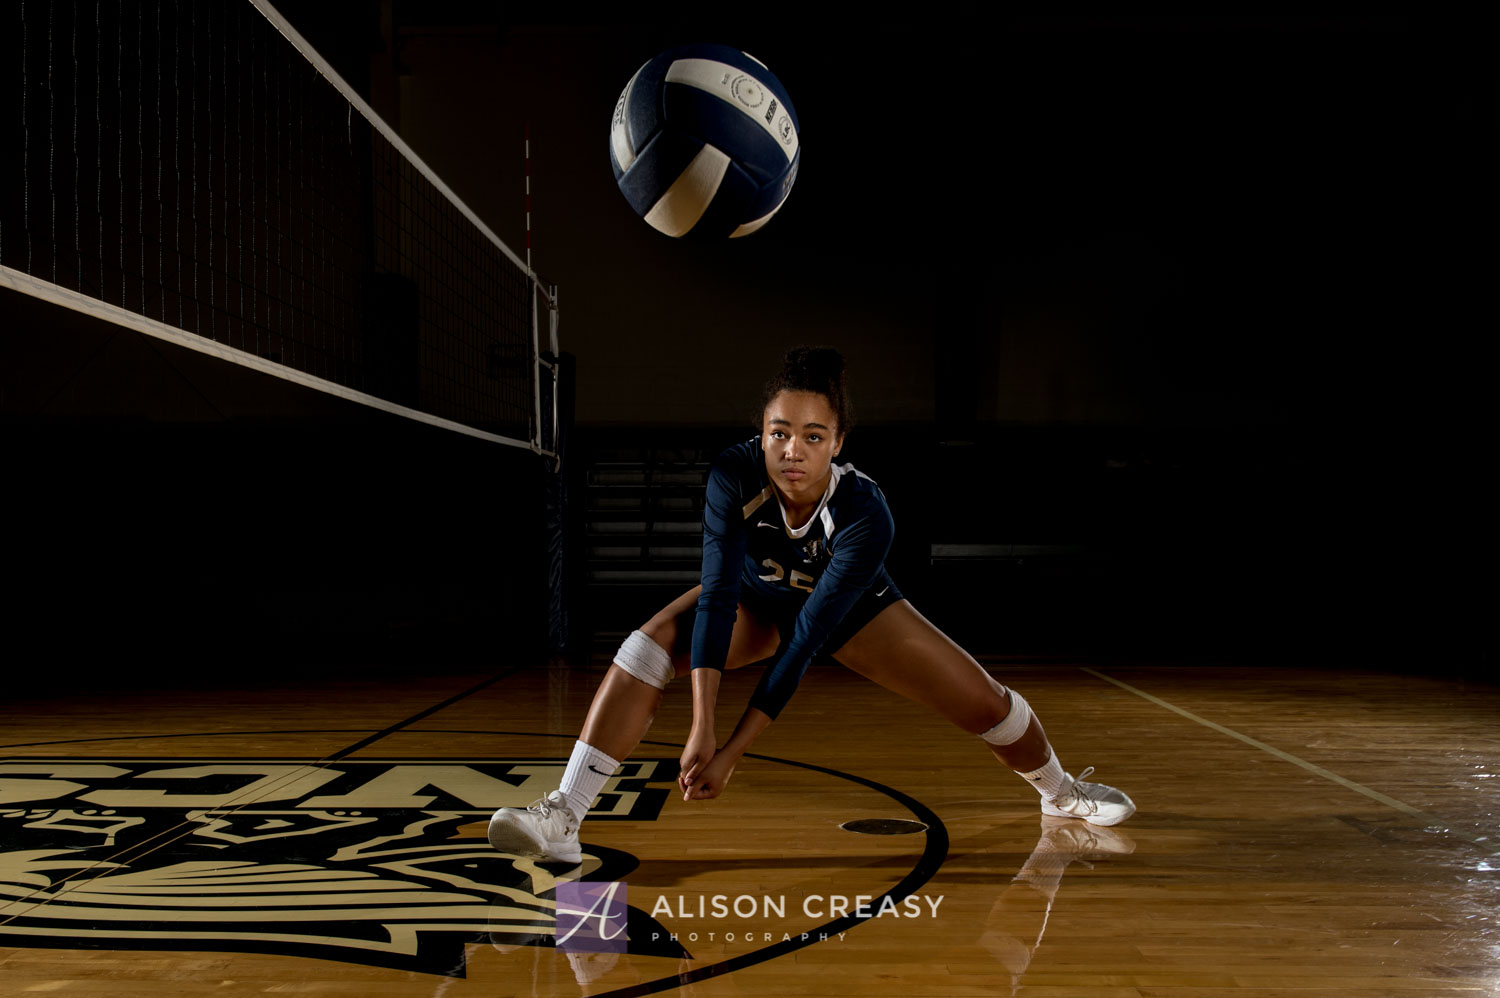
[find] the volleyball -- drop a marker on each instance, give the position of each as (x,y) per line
(704,142)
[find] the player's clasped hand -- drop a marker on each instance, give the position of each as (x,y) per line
(696,754)
(709,780)
(704,771)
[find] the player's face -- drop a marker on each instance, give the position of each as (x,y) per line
(799,434)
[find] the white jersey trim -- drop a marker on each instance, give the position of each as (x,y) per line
(821,513)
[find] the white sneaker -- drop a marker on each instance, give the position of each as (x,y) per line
(1093,802)
(546,830)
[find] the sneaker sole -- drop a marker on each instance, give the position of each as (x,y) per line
(1093,819)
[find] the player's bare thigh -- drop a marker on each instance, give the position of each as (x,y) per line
(754,638)
(902,651)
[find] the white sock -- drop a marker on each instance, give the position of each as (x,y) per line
(1049,779)
(587,771)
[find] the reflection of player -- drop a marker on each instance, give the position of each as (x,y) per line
(794,554)
(1013,932)
(536,959)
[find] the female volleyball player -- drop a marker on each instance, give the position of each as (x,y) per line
(794,550)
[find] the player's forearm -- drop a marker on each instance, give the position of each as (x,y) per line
(705,698)
(751,725)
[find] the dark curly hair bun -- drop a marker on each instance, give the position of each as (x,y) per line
(814,369)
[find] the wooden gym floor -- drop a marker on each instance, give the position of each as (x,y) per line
(1301,832)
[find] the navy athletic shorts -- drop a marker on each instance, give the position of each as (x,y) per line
(881,594)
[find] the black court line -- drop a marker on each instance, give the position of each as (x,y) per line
(186,828)
(363,742)
(187,734)
(288,731)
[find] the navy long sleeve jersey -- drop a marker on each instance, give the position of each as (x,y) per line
(816,572)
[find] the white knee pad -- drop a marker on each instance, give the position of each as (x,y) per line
(646,660)
(1015,724)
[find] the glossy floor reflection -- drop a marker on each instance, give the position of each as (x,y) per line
(1017,924)
(1300,832)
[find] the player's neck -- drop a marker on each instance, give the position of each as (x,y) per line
(798,511)
(797,516)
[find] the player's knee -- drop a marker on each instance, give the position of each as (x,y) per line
(644,658)
(1013,725)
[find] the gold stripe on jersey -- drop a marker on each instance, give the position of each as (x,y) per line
(757,502)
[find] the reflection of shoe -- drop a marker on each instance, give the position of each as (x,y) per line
(545,830)
(589,967)
(1093,802)
(1079,840)
(530,965)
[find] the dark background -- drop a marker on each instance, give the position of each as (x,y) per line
(1199,299)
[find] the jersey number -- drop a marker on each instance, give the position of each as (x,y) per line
(799,580)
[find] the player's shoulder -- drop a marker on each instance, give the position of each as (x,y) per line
(745,450)
(740,467)
(855,481)
(857,489)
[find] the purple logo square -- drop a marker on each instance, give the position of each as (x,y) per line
(591,917)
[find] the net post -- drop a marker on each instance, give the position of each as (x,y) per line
(556,374)
(536,351)
(538,444)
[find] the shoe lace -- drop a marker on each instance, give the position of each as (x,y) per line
(546,807)
(1080,793)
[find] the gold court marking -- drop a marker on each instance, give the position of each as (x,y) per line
(1483,841)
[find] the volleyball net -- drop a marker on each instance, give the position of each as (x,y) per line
(193,170)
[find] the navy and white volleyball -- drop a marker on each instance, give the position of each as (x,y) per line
(704,142)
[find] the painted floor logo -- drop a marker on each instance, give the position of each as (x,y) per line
(381,862)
